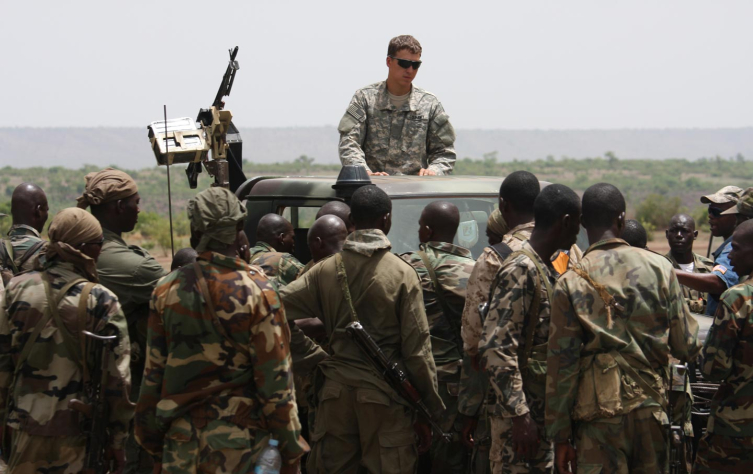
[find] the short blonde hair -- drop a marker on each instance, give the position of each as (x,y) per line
(401,42)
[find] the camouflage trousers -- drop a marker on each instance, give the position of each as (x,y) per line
(479,462)
(218,447)
(449,458)
(724,454)
(46,454)
(138,461)
(629,444)
(502,456)
(360,430)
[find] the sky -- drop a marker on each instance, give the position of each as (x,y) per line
(575,64)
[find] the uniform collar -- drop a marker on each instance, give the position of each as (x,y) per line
(112,236)
(446,247)
(367,241)
(234,263)
(602,244)
(528,226)
(262,247)
(383,99)
(23,229)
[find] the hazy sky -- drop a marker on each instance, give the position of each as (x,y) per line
(512,64)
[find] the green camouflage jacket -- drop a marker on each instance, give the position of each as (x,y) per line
(728,358)
(518,392)
(452,265)
(388,299)
(131,273)
(696,299)
(236,381)
(281,268)
(646,319)
(375,135)
(51,375)
(22,239)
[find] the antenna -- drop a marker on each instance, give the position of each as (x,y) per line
(169,191)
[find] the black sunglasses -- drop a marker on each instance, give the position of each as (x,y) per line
(406,63)
(715,212)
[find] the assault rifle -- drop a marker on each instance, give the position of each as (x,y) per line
(96,411)
(676,432)
(393,374)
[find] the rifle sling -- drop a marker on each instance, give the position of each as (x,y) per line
(31,251)
(8,257)
(447,310)
(342,277)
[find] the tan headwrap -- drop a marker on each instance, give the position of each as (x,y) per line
(69,229)
(497,225)
(105,186)
(215,212)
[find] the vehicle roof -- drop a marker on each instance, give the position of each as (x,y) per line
(394,186)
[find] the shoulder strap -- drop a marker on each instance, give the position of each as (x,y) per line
(447,310)
(9,255)
(342,277)
(29,253)
(502,250)
(68,338)
(82,304)
(204,289)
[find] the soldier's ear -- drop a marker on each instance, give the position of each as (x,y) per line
(695,234)
(621,221)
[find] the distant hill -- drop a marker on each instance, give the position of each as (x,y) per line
(129,147)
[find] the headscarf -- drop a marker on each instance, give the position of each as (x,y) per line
(69,229)
(215,212)
(105,186)
(497,225)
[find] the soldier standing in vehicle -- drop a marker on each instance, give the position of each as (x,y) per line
(516,330)
(361,422)
(615,320)
(42,366)
(275,242)
(443,269)
(680,235)
(128,270)
(727,445)
(28,206)
(218,381)
(392,127)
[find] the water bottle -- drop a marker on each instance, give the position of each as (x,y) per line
(269,461)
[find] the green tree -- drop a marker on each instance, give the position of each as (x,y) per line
(658,210)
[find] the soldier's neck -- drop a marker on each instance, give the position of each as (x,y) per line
(544,244)
(397,89)
(683,257)
(111,227)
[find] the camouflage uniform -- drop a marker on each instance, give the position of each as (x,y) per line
(375,135)
(23,240)
(452,265)
(215,390)
(519,387)
(131,273)
(48,436)
(728,358)
(695,299)
(362,423)
(281,268)
(619,313)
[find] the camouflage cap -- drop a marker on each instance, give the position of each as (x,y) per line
(724,195)
(744,205)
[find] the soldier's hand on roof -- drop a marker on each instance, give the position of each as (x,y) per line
(427,172)
(377,173)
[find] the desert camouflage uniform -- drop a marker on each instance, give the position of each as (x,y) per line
(211,398)
(47,434)
(634,317)
(22,239)
(131,273)
(517,391)
(362,424)
(375,135)
(452,265)
(695,299)
(727,447)
(281,268)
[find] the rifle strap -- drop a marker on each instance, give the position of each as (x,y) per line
(73,346)
(8,257)
(520,236)
(439,291)
(204,290)
(82,304)
(29,252)
(502,250)
(342,277)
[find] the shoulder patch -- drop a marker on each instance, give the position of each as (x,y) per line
(720,268)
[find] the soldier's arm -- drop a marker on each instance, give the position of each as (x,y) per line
(416,344)
(273,376)
(149,430)
(473,387)
(289,269)
(471,325)
(440,146)
(110,320)
(563,361)
(6,360)
(306,354)
(503,335)
(683,328)
(722,339)
(144,280)
(301,297)
(352,130)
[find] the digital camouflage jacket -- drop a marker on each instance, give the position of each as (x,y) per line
(728,359)
(230,376)
(375,135)
(619,303)
(52,374)
(281,268)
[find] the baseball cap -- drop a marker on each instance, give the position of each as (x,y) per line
(744,205)
(724,195)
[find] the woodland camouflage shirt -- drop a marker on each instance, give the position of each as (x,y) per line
(696,299)
(281,268)
(22,239)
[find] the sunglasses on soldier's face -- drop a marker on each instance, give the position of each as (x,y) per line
(715,212)
(406,63)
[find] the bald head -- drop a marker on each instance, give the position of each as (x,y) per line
(339,209)
(741,256)
(680,235)
(275,230)
(28,206)
(326,236)
(183,257)
(439,222)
